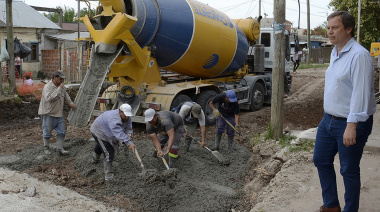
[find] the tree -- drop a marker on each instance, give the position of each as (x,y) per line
(319,30)
(370,19)
(69,15)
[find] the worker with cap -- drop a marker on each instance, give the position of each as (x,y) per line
(53,97)
(229,110)
(192,114)
(165,127)
(108,129)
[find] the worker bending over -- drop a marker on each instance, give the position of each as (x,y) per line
(108,129)
(165,127)
(192,114)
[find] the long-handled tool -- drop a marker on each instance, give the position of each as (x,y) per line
(166,164)
(215,153)
(232,126)
(139,159)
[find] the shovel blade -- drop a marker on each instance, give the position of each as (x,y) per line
(218,156)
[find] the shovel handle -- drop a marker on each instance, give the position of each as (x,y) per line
(232,126)
(166,164)
(138,158)
(205,146)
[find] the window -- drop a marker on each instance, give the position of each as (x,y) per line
(34,55)
(265,39)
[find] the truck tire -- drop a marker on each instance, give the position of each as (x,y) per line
(257,97)
(203,99)
(180,98)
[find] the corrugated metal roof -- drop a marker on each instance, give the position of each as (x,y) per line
(70,36)
(26,16)
(2,24)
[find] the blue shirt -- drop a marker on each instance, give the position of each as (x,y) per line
(349,83)
(109,127)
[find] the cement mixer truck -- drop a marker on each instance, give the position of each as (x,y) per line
(160,53)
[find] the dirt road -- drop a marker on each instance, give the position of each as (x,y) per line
(261,177)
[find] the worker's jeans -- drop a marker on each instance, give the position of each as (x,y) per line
(50,123)
(221,125)
(328,143)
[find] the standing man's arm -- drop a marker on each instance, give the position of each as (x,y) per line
(360,103)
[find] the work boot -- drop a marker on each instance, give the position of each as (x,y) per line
(230,143)
(108,171)
(95,158)
(218,138)
(46,146)
(172,162)
(326,209)
(60,149)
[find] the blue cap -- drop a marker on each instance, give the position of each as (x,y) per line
(231,96)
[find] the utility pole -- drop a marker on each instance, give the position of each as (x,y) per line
(10,45)
(278,70)
(359,11)
(308,32)
(78,46)
(259,8)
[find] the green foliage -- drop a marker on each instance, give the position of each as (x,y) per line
(69,15)
(85,11)
(18,100)
(269,133)
(256,138)
(369,18)
(285,140)
(305,145)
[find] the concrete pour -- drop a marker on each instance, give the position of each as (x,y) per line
(201,184)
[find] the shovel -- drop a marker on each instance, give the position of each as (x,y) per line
(168,172)
(215,153)
(139,159)
(232,126)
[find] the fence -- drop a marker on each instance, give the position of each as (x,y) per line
(320,55)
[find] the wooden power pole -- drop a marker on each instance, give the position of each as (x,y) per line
(10,45)
(278,69)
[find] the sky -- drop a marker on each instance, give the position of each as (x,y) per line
(235,9)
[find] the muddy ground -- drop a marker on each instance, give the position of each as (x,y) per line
(202,183)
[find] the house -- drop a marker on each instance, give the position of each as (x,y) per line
(30,27)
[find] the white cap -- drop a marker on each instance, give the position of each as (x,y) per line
(149,114)
(126,108)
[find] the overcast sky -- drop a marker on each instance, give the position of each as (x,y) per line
(234,8)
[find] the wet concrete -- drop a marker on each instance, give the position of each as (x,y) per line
(200,182)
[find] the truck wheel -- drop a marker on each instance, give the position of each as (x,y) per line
(257,97)
(203,99)
(180,98)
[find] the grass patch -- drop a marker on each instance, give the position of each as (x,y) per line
(285,140)
(269,133)
(256,139)
(314,65)
(305,145)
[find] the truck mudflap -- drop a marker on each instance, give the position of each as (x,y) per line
(90,87)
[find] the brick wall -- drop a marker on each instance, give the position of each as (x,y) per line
(50,61)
